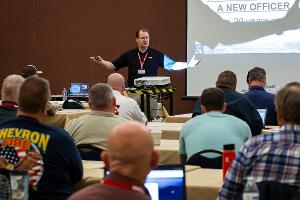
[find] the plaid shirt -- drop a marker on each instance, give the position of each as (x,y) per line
(266,157)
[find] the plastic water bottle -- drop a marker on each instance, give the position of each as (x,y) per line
(64,94)
(251,191)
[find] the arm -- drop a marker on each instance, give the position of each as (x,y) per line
(104,63)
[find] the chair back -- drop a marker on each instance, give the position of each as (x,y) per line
(271,190)
(205,162)
(89,152)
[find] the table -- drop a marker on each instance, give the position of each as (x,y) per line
(179,118)
(201,184)
(169,131)
(61,118)
(169,152)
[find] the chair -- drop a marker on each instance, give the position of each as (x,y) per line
(89,152)
(271,190)
(205,162)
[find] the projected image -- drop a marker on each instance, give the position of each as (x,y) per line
(250,11)
(240,18)
(288,42)
(239,34)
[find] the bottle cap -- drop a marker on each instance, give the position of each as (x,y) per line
(228,147)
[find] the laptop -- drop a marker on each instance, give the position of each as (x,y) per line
(263,114)
(166,182)
(78,90)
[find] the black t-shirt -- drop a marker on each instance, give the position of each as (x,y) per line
(131,60)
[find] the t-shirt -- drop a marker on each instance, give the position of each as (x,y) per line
(60,167)
(211,131)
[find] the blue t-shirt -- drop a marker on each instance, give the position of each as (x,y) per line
(211,131)
(61,165)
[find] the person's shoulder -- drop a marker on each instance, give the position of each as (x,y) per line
(156,51)
(88,193)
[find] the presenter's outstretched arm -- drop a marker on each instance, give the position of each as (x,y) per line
(108,65)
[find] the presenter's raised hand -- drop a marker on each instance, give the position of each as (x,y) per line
(96,59)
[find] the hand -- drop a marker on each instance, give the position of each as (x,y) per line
(28,161)
(3,163)
(96,59)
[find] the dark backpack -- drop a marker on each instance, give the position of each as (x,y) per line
(72,104)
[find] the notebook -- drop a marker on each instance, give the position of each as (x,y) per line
(166,182)
(263,113)
(78,89)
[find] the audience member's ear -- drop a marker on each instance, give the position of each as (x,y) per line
(89,103)
(104,157)
(203,109)
(114,101)
(224,107)
(154,158)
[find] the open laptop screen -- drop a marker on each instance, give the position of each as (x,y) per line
(166,182)
(78,89)
(263,113)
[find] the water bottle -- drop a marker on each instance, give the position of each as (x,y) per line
(251,191)
(228,155)
(64,94)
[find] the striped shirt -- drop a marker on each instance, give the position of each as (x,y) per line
(266,157)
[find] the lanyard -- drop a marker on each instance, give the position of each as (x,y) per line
(142,62)
(9,104)
(124,185)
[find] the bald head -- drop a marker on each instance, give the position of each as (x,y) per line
(130,150)
(116,81)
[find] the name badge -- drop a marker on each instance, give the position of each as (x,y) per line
(141,71)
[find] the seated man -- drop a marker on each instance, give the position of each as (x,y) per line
(256,80)
(237,104)
(212,129)
(60,167)
(128,108)
(270,157)
(31,70)
(130,157)
(9,96)
(93,128)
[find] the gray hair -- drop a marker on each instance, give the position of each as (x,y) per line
(101,95)
(11,87)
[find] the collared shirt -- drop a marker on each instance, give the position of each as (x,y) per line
(93,128)
(267,157)
(262,99)
(130,59)
(129,108)
(108,192)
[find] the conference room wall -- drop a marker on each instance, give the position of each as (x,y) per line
(59,36)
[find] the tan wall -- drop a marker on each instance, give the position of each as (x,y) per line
(59,36)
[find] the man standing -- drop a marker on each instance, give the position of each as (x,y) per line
(270,157)
(128,109)
(256,80)
(9,96)
(237,104)
(60,167)
(212,129)
(129,157)
(141,61)
(93,127)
